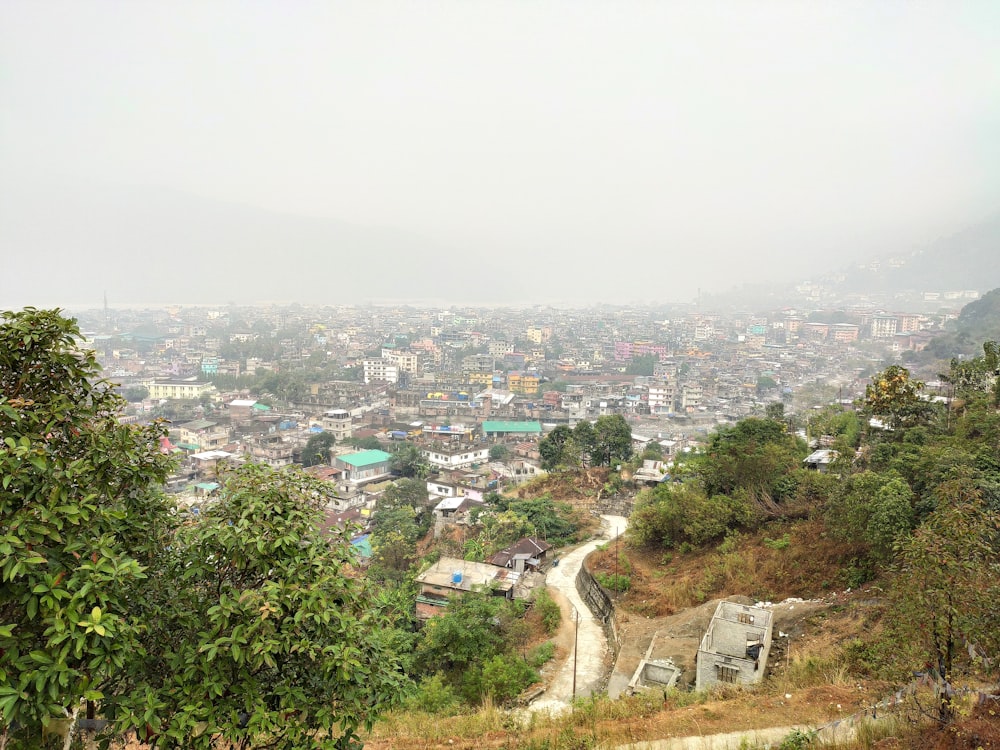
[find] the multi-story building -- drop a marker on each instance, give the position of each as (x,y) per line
(884,326)
(273,450)
(500,348)
(662,397)
(525,383)
(338,423)
(378,369)
(363,466)
(448,456)
(844,333)
(405,361)
(187,388)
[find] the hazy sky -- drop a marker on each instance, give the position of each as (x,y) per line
(630,149)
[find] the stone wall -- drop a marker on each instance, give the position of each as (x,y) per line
(599,603)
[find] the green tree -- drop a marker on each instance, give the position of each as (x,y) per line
(317,450)
(947,584)
(78,520)
(583,445)
(757,457)
(499,452)
(551,447)
(613,441)
(135,393)
(254,635)
(894,397)
(644,364)
(408,461)
(876,509)
(672,514)
(365,444)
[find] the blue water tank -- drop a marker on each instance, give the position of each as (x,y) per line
(456,577)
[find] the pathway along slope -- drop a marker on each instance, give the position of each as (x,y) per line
(590,662)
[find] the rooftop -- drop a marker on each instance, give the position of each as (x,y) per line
(516,427)
(364,458)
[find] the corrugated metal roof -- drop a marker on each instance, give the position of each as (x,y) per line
(503,426)
(364,458)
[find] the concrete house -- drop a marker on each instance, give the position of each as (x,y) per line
(363,466)
(450,577)
(448,456)
(734,649)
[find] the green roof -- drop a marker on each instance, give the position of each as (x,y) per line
(364,458)
(261,407)
(517,427)
(207,486)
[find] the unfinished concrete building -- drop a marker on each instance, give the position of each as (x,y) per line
(734,649)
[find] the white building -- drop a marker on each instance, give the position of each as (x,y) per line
(456,456)
(381,370)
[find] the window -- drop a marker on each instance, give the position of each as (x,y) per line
(728,674)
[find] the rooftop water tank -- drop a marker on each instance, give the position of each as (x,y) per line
(456,576)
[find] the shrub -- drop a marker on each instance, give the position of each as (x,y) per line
(505,676)
(618,583)
(549,611)
(434,696)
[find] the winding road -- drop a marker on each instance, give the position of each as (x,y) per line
(588,665)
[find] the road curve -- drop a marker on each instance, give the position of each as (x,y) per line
(591,643)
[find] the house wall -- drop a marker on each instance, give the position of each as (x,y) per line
(722,654)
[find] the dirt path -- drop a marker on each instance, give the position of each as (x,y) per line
(739,740)
(587,666)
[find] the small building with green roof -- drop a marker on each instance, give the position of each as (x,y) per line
(363,466)
(499,428)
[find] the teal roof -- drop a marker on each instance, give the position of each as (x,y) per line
(517,427)
(207,486)
(364,458)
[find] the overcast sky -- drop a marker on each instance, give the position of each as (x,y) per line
(633,150)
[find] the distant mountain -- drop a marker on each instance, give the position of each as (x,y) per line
(969,260)
(966,261)
(154,246)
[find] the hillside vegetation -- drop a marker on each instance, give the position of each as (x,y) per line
(895,549)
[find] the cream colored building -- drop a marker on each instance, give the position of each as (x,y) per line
(189,388)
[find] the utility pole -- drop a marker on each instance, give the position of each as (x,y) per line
(576,638)
(616,564)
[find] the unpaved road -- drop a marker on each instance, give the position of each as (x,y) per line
(591,658)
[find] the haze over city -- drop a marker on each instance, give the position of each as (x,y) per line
(571,152)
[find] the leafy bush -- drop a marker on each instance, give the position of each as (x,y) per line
(434,696)
(549,611)
(541,654)
(676,514)
(778,544)
(505,676)
(797,740)
(619,583)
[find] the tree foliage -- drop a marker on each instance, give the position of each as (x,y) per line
(242,627)
(317,450)
(876,509)
(894,397)
(673,514)
(755,457)
(947,585)
(473,644)
(253,633)
(605,442)
(407,461)
(78,519)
